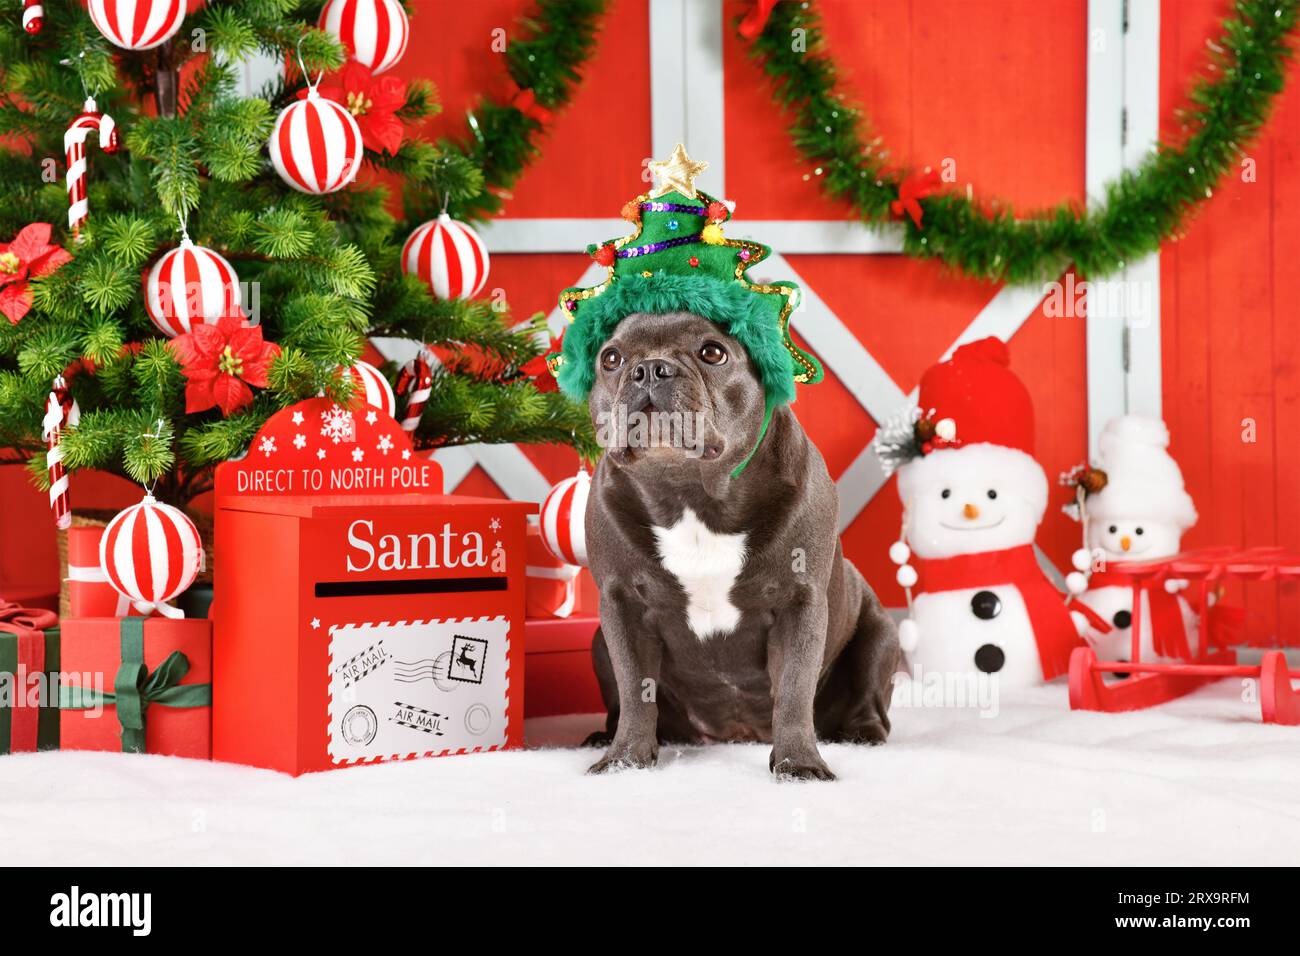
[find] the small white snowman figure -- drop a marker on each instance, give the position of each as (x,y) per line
(1139,514)
(973,497)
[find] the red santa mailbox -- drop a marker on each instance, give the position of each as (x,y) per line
(360,615)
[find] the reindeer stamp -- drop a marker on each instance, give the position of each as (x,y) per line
(468,656)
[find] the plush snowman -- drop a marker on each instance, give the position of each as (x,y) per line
(1139,514)
(973,497)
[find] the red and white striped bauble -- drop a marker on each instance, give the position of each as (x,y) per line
(371,388)
(563,521)
(190,285)
(33,16)
(150,553)
(137,24)
(374,31)
(449,256)
(316,145)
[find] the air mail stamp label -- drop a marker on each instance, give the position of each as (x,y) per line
(409,688)
(364,662)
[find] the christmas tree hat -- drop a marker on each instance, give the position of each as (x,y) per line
(677,259)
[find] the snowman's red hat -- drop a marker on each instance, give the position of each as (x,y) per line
(974,401)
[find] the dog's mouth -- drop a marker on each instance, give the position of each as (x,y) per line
(642,429)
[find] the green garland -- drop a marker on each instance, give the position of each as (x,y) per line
(547,63)
(1141,208)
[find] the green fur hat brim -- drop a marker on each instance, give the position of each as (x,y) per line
(752,320)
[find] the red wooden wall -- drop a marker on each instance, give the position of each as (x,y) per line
(1229,289)
(999,87)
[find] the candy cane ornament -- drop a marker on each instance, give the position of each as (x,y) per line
(33,16)
(61,412)
(415,381)
(74,146)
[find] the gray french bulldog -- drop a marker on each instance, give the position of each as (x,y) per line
(728,611)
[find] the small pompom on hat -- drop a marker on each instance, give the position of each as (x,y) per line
(676,259)
(974,400)
(1143,480)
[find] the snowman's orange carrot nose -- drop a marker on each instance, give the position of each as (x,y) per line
(971,512)
(1126,542)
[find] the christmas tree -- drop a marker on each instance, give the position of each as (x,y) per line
(285,263)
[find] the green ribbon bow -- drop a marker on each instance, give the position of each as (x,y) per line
(135,688)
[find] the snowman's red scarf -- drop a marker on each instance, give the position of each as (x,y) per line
(1054,630)
(1168,635)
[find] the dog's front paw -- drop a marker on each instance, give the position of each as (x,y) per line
(626,757)
(799,765)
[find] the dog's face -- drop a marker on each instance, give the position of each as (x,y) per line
(674,393)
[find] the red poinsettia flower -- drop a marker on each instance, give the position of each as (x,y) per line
(31,254)
(539,371)
(373,101)
(220,361)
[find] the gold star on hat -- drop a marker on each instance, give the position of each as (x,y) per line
(677,173)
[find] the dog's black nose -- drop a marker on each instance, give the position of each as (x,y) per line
(653,370)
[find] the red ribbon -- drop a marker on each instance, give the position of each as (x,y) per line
(525,101)
(755,20)
(910,191)
(27,624)
(1168,636)
(1054,630)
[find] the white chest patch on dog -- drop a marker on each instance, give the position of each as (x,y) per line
(706,565)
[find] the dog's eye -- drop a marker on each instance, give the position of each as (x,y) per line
(711,353)
(611,359)
(946,493)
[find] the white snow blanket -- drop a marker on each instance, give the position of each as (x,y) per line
(1197,781)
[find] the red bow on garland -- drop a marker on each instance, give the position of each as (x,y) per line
(910,191)
(756,19)
(525,101)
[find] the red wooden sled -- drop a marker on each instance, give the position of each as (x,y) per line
(1150,683)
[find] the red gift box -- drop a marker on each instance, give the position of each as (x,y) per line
(552,589)
(561,679)
(89,593)
(361,615)
(556,589)
(133,684)
(29,663)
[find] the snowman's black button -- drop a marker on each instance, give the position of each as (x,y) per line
(990,658)
(985,605)
(1122,619)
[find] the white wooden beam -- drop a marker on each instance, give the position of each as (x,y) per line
(1142,103)
(1104,160)
(1003,316)
(792,237)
